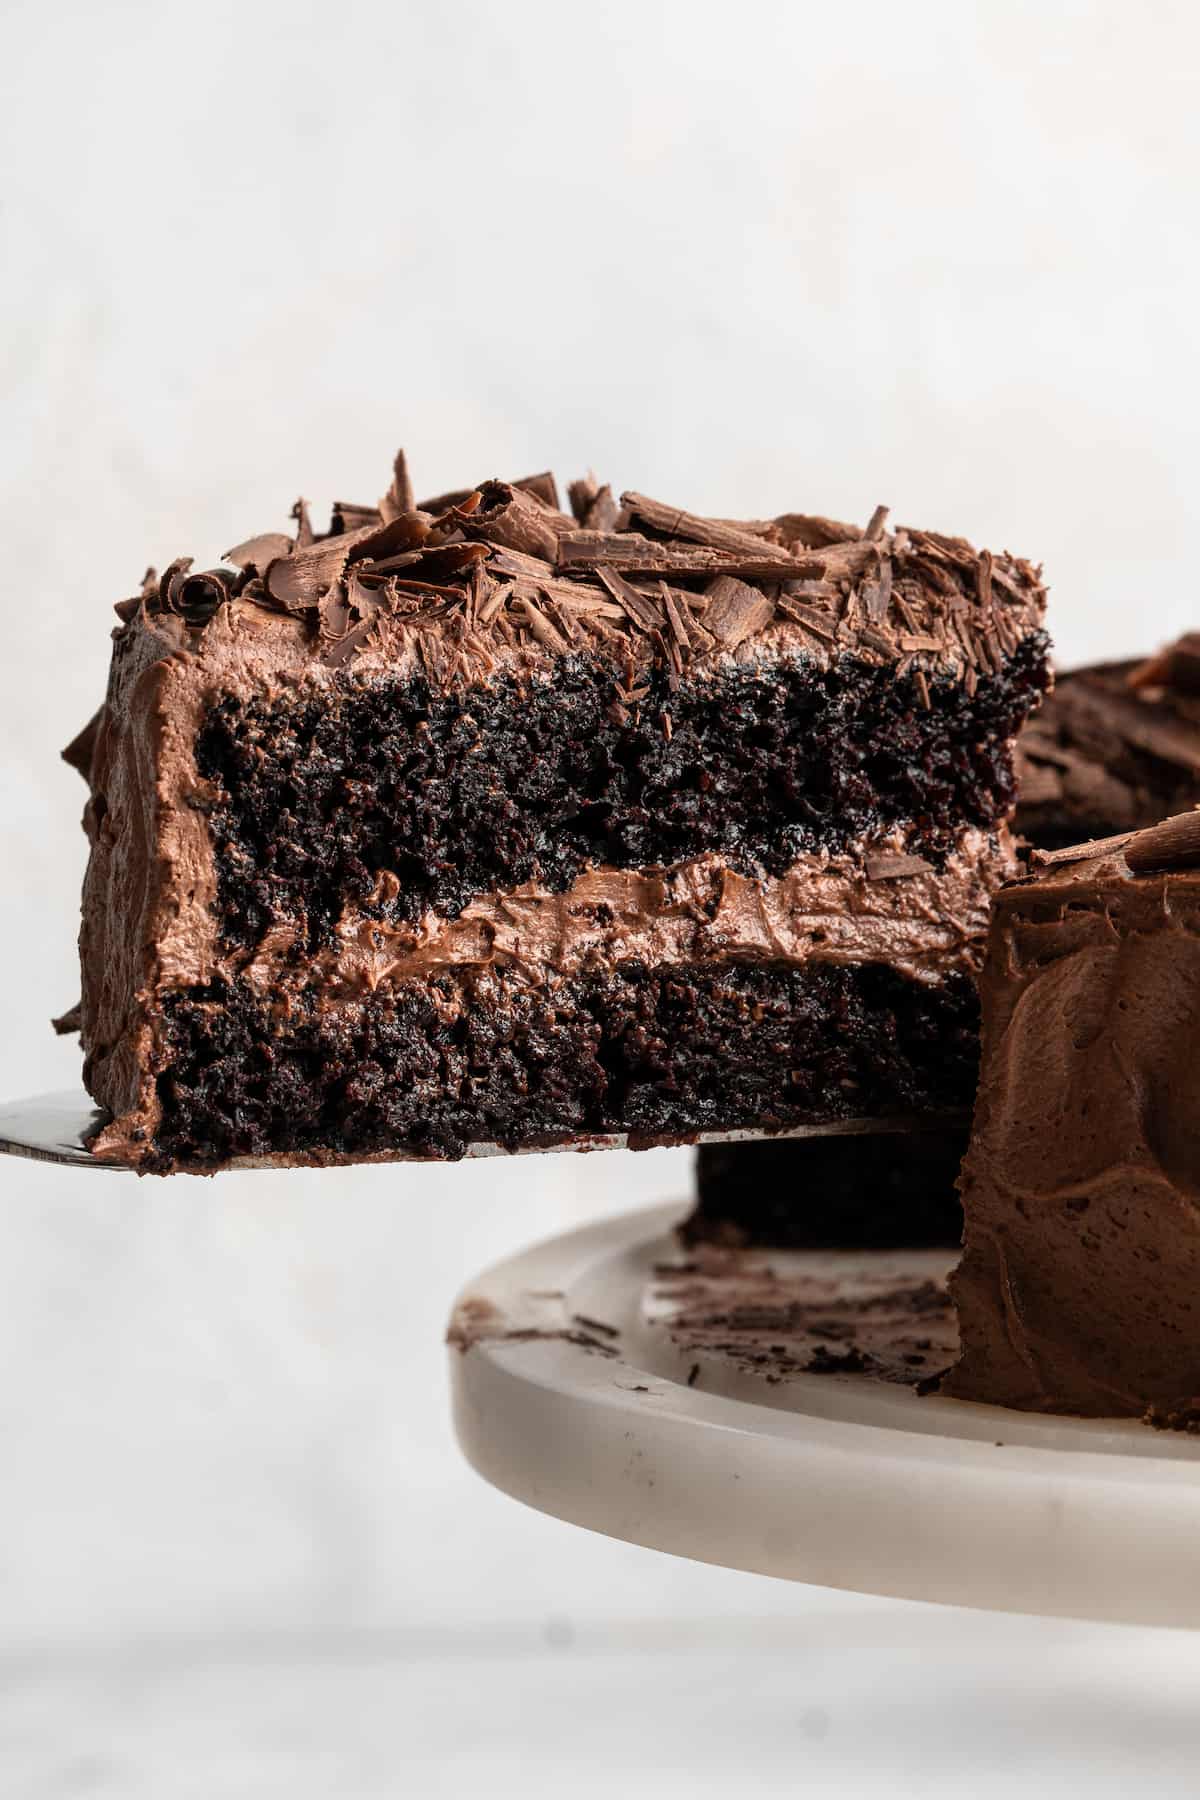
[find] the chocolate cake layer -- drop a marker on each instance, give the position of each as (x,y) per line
(1115,747)
(491,785)
(483,741)
(883,1191)
(656,1052)
(1081,1188)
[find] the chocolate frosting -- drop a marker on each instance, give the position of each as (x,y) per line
(924,923)
(1081,1189)
(496,579)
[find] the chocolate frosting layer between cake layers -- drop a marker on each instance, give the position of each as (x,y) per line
(880,906)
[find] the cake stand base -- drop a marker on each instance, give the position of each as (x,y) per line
(669,1398)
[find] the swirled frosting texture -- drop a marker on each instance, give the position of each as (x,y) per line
(1078,1288)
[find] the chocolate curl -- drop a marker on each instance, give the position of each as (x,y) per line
(399,497)
(716,533)
(508,516)
(1174,844)
(258,553)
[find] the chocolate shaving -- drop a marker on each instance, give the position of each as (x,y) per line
(736,611)
(441,503)
(678,629)
(68,1022)
(674,523)
(877,595)
(1073,853)
(344,648)
(304,530)
(349,517)
(632,554)
(562,619)
(82,747)
(812,532)
(886,867)
(543,630)
(1177,666)
(633,603)
(197,597)
(876,524)
(399,497)
(259,552)
(593,506)
(543,487)
(508,516)
(1174,844)
(807,616)
(296,582)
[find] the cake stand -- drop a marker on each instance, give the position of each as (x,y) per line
(669,1397)
(762,1410)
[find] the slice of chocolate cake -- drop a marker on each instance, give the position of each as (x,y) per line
(1115,748)
(1077,1291)
(854,1191)
(477,822)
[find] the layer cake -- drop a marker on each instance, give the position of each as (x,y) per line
(478,821)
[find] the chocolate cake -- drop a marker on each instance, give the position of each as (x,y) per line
(1077,1292)
(854,1191)
(478,821)
(1115,747)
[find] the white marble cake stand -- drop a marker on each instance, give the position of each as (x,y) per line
(570,1388)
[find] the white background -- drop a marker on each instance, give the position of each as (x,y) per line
(748,258)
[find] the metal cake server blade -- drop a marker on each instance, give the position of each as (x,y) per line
(55,1128)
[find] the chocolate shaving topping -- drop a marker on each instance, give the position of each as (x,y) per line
(633,554)
(1177,666)
(633,603)
(1175,844)
(260,552)
(68,1022)
(886,867)
(304,530)
(671,522)
(543,487)
(877,595)
(1073,853)
(79,752)
(477,570)
(593,506)
(736,611)
(399,497)
(509,516)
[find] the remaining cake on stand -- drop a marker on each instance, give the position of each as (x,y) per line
(1114,748)
(475,821)
(877,1190)
(1081,1188)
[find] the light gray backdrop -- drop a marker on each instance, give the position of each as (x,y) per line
(747,258)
